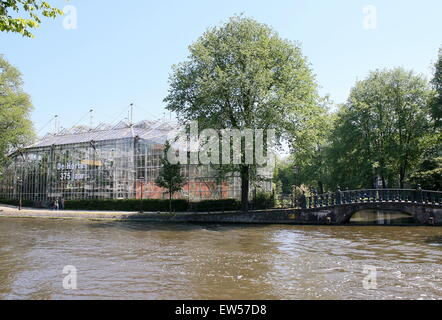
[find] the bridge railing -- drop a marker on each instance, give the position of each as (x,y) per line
(372,195)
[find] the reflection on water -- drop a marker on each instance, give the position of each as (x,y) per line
(119,260)
(382,217)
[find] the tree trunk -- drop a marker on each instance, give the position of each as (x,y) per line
(402,177)
(384,184)
(170,202)
(382,172)
(402,171)
(245,187)
(320,187)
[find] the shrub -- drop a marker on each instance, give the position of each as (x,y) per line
(126,204)
(264,200)
(148,205)
(15,202)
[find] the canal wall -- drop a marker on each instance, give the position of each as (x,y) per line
(336,215)
(333,215)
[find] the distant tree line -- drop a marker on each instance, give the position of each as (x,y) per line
(16,128)
(387,133)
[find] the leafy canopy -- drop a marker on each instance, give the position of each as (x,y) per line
(242,75)
(429,174)
(170,177)
(15,107)
(382,129)
(9,9)
(436,106)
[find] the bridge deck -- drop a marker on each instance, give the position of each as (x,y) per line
(425,197)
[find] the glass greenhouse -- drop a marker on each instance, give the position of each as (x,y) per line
(105,163)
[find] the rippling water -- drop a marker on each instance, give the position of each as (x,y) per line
(121,260)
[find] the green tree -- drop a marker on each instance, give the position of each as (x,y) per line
(307,165)
(242,75)
(170,177)
(15,108)
(34,8)
(436,105)
(284,175)
(429,174)
(382,130)
(310,158)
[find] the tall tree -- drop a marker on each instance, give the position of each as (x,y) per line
(15,108)
(429,174)
(170,177)
(310,158)
(285,175)
(382,129)
(242,75)
(436,105)
(34,8)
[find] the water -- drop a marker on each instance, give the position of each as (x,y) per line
(382,217)
(119,260)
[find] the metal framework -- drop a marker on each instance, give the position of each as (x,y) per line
(371,196)
(111,163)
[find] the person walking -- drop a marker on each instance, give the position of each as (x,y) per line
(56,204)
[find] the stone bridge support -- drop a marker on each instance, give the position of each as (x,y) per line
(424,214)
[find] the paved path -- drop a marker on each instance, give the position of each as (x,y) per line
(12,211)
(262,216)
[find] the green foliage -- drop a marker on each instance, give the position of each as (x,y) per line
(436,105)
(15,202)
(310,160)
(284,175)
(382,130)
(148,205)
(429,174)
(242,75)
(264,200)
(15,108)
(34,8)
(170,177)
(308,164)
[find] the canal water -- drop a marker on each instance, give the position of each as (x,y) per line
(382,217)
(121,260)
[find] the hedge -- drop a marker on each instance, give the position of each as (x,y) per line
(151,205)
(126,204)
(264,200)
(15,202)
(148,205)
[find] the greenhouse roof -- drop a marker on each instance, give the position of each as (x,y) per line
(157,132)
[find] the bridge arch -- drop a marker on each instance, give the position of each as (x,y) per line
(422,205)
(380,216)
(418,213)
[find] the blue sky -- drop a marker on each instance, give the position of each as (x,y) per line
(122,51)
